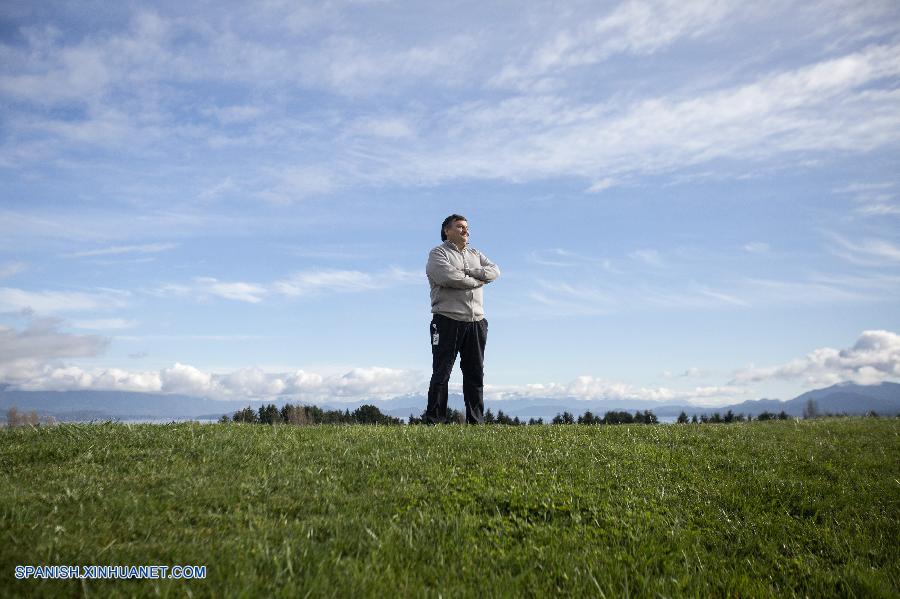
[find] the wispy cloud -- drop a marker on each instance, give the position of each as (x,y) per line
(236,290)
(88,226)
(331,280)
(151,248)
(805,109)
(807,291)
(564,258)
(638,293)
(757,247)
(690,373)
(105,324)
(869,251)
(299,284)
(602,184)
(52,302)
(647,256)
(10,269)
(288,184)
(630,28)
(531,130)
(873,199)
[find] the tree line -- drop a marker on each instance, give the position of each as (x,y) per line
(369,414)
(304,415)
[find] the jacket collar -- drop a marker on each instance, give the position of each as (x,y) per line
(452,246)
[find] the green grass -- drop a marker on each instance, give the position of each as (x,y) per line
(763,509)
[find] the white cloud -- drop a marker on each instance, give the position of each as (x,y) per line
(875,357)
(252,382)
(376,382)
(246,383)
(355,384)
(185,379)
(73,378)
(27,357)
(66,378)
(116,379)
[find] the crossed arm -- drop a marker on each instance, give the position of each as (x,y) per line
(445,274)
(486,270)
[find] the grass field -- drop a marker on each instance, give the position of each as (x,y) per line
(759,509)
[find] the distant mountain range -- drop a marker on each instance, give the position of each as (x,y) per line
(84,406)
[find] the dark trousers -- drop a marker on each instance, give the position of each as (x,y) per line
(468,340)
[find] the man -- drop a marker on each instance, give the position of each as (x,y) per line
(457,273)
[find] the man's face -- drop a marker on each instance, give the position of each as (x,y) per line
(458,233)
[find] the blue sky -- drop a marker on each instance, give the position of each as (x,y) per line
(688,201)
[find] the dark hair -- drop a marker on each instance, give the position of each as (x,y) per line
(450,219)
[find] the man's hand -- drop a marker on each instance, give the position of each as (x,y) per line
(476,273)
(486,272)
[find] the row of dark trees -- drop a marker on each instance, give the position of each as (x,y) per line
(648,417)
(302,415)
(369,414)
(489,418)
(613,417)
(730,416)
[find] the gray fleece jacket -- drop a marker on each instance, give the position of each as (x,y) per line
(456,279)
